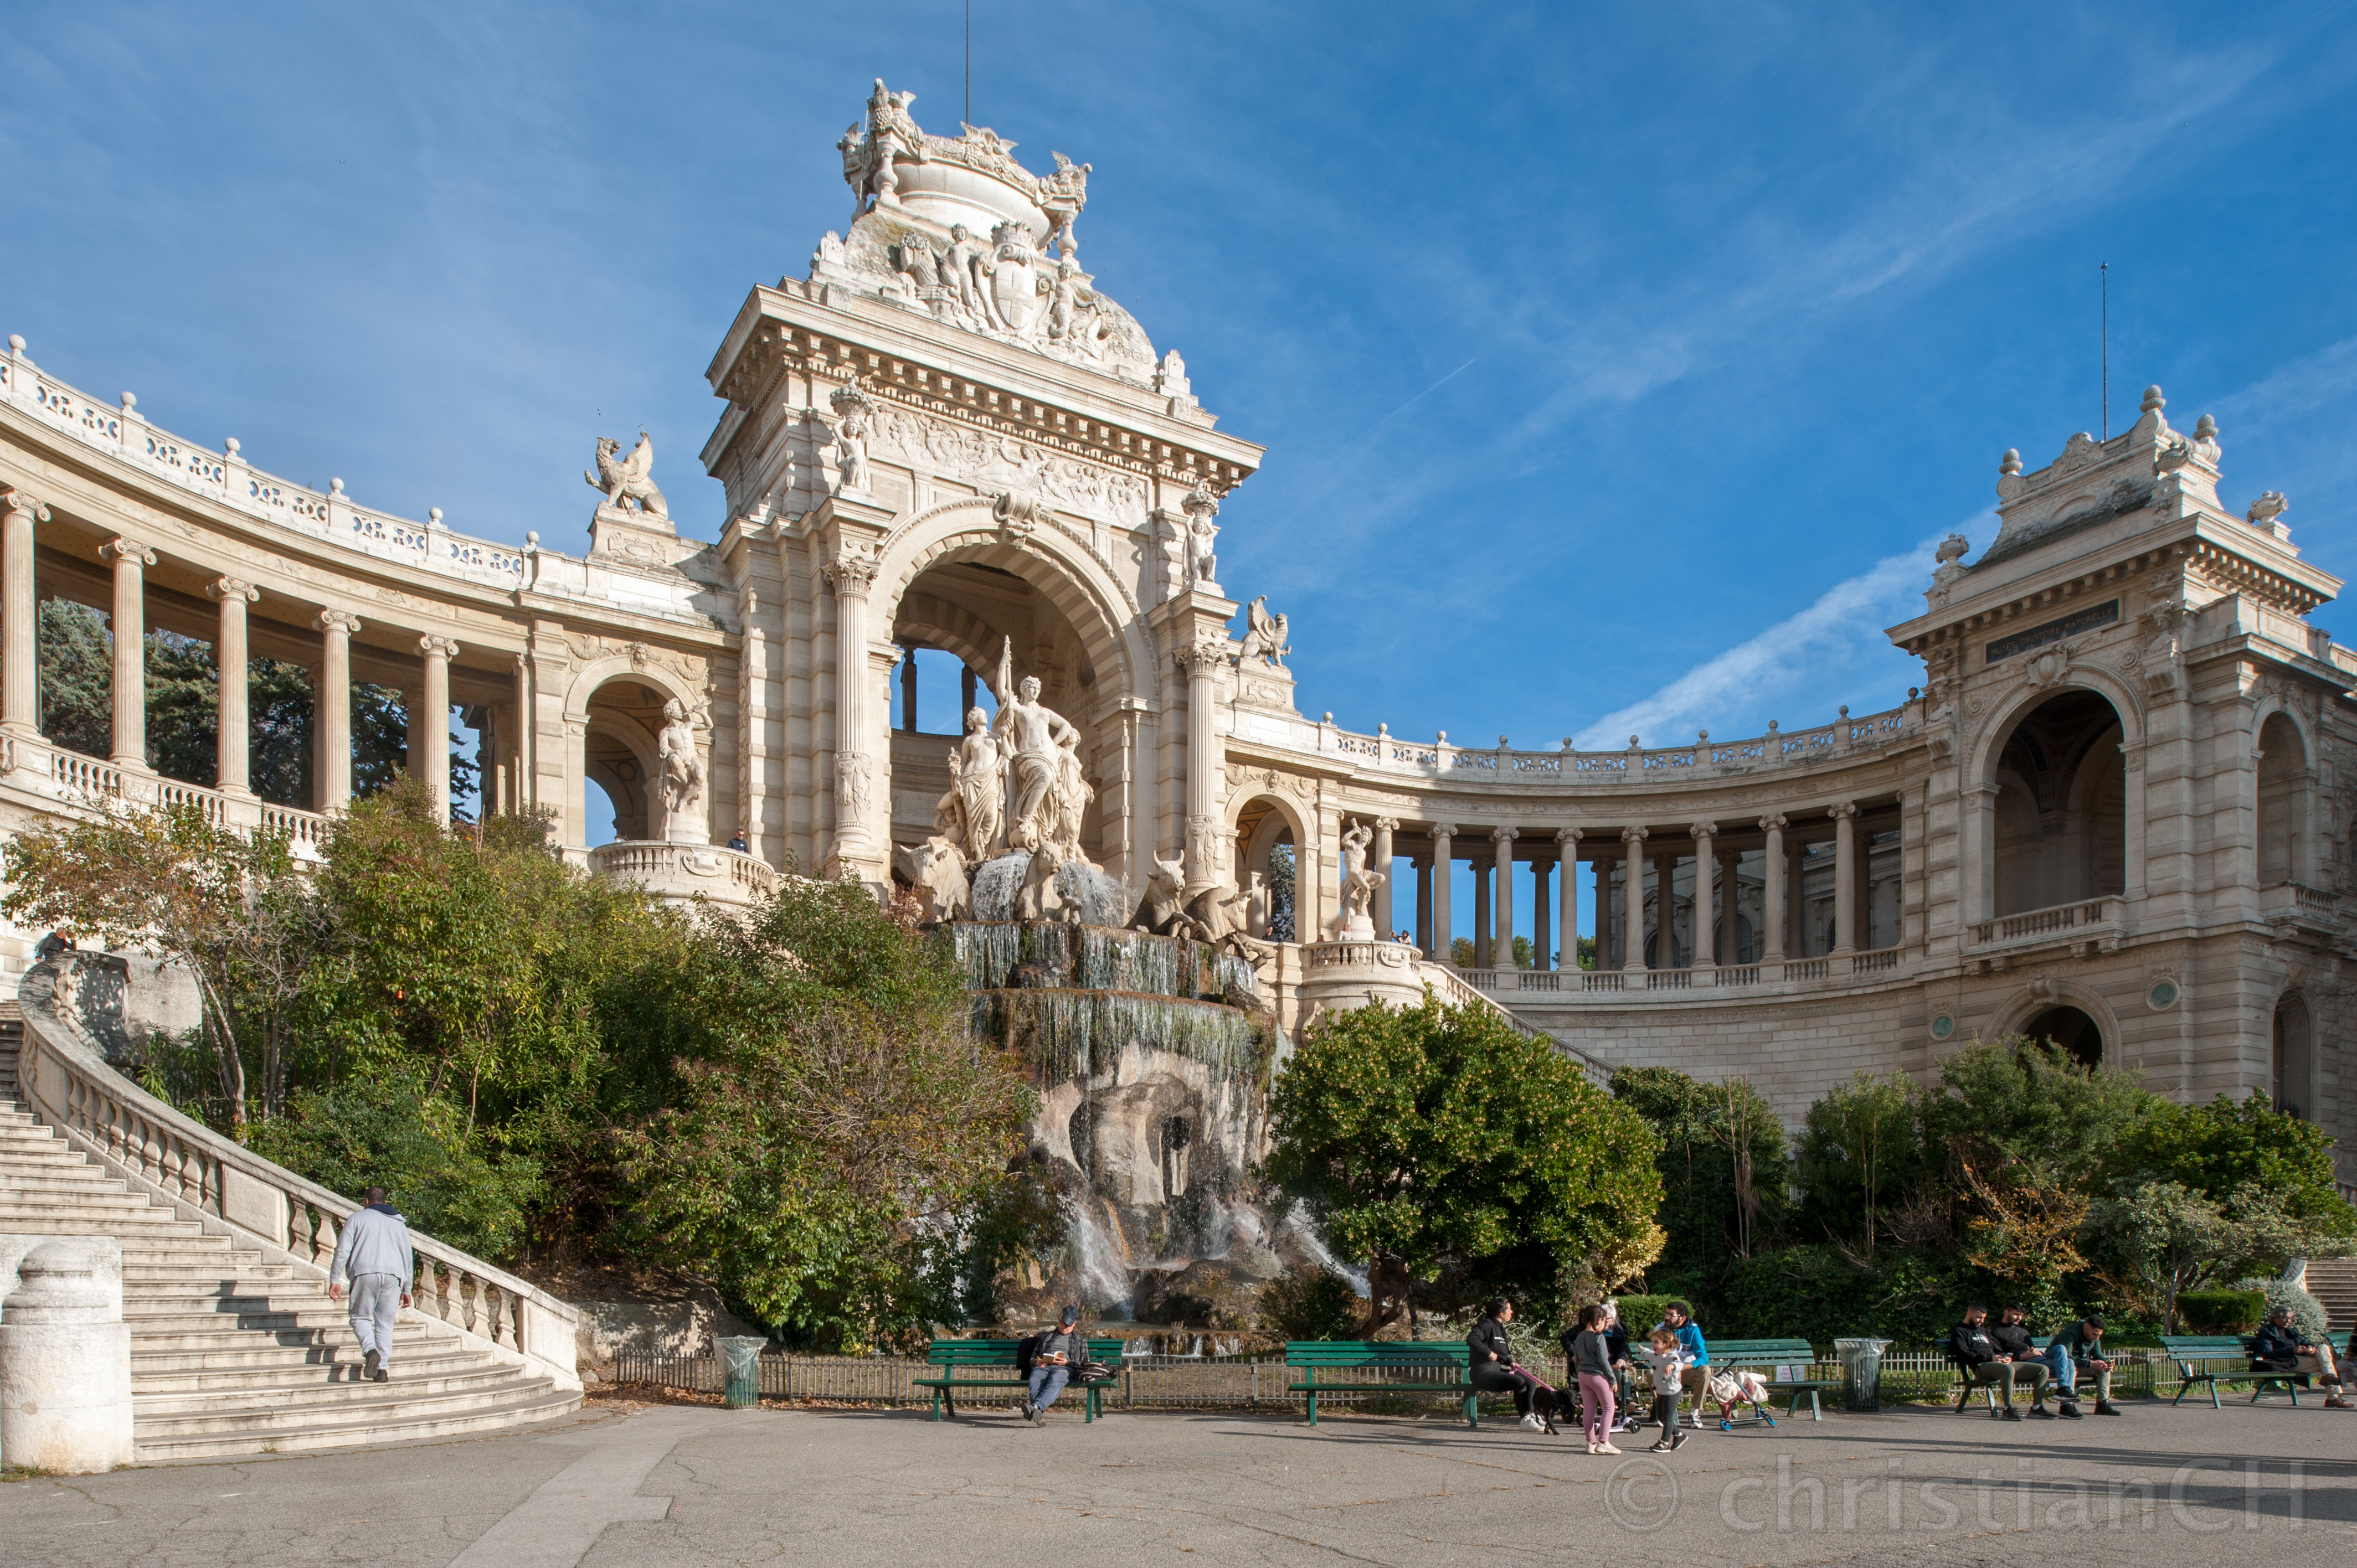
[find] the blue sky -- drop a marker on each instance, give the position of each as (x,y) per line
(1617,364)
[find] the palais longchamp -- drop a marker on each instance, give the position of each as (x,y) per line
(2114,815)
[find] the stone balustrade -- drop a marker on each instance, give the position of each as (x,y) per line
(74,781)
(1613,986)
(686,870)
(1645,766)
(2080,920)
(231,1191)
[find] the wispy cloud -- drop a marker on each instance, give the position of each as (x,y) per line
(1793,659)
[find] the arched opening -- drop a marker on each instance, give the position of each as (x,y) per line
(1265,867)
(2283,802)
(2291,1070)
(619,748)
(2069,1030)
(2061,832)
(969,610)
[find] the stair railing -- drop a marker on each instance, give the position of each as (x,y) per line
(65,1081)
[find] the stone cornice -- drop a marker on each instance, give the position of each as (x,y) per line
(905,360)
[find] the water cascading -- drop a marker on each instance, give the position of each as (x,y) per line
(1151,1056)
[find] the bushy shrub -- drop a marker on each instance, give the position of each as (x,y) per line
(1640,1313)
(1311,1302)
(385,1132)
(2219,1311)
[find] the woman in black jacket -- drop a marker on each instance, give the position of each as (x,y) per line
(1492,1360)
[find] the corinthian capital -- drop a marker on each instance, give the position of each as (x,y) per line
(1204,655)
(14,502)
(851,576)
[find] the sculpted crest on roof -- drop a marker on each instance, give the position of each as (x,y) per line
(957,229)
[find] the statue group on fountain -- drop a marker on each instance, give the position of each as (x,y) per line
(1017,786)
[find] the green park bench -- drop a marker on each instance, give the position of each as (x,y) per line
(1769,1355)
(990,1364)
(1410,1366)
(2194,1353)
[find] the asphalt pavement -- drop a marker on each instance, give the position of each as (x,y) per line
(657,1485)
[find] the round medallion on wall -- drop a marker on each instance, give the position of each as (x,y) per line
(1942,1025)
(2162,996)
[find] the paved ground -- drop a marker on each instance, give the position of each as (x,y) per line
(671,1485)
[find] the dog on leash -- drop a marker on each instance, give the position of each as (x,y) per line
(1546,1403)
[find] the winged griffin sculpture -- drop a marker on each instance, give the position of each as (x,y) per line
(625,479)
(1264,633)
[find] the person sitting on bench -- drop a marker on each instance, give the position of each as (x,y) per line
(2012,1337)
(1491,1361)
(1062,1352)
(2076,1351)
(1977,1353)
(2280,1348)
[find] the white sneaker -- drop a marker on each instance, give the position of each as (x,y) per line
(1596,1448)
(1606,1448)
(1534,1423)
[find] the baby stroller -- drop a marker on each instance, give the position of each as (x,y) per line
(1740,1386)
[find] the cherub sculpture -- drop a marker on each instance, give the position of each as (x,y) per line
(625,479)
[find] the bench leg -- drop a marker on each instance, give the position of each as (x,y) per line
(1473,1412)
(1816,1411)
(937,1404)
(1313,1407)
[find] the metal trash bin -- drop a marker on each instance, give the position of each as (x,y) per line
(1861,1364)
(741,1369)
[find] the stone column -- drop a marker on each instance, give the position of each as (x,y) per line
(1665,910)
(1567,935)
(968,688)
(1483,957)
(1423,904)
(1502,940)
(1772,906)
(1730,918)
(1603,911)
(908,692)
(1381,862)
(1203,659)
(1442,952)
(1705,864)
(1844,818)
(1541,948)
(20,613)
(232,730)
(431,724)
(1633,901)
(130,560)
(1796,903)
(65,1354)
(854,854)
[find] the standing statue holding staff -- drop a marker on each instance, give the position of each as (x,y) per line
(1034,734)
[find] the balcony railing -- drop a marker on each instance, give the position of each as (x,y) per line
(75,781)
(2082,920)
(1533,984)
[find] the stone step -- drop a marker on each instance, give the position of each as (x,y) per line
(161,1274)
(363,1401)
(92,1184)
(123,1224)
(230,1332)
(530,1404)
(419,1388)
(182,1374)
(23,1154)
(252,1355)
(189,1314)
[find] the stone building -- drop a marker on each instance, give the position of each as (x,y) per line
(2113,813)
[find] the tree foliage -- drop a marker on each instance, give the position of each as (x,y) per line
(1428,1135)
(835,1131)
(1721,1161)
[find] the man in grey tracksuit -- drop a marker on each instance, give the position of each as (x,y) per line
(374,1252)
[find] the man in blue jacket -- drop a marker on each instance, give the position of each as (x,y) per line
(374,1253)
(2075,1352)
(1678,1318)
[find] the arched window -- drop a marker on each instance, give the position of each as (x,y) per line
(2061,806)
(2283,802)
(2290,1070)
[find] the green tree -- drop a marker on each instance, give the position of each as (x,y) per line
(77,678)
(2162,1238)
(831,1130)
(1859,1148)
(1281,900)
(2217,1148)
(1721,1161)
(1430,1135)
(227,906)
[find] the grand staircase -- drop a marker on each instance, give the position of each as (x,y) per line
(2333,1282)
(233,1355)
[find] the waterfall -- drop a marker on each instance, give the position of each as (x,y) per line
(1104,1278)
(1068,1034)
(1315,1245)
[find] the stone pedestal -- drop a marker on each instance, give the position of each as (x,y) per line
(65,1354)
(1338,976)
(640,538)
